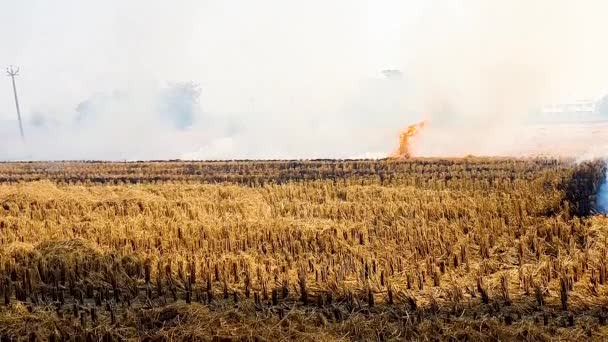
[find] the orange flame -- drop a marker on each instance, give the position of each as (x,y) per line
(405,140)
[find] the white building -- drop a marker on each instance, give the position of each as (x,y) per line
(580,111)
(587,107)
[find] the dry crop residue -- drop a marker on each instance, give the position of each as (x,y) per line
(416,249)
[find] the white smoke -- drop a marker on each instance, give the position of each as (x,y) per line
(146,123)
(273,85)
(484,68)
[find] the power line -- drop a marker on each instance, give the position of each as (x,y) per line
(11,71)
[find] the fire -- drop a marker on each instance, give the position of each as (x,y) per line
(405,140)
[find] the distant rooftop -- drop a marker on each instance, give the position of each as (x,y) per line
(580,106)
(583,111)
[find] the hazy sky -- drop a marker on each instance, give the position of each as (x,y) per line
(284,79)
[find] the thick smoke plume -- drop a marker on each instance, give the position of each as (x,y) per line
(273,85)
(484,69)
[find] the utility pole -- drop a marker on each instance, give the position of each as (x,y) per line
(11,71)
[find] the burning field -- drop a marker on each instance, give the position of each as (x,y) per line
(483,218)
(582,140)
(472,249)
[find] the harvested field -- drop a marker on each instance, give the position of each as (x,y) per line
(467,249)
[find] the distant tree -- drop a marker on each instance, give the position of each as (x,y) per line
(180,103)
(99,104)
(177,103)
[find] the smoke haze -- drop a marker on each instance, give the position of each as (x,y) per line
(269,79)
(486,66)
